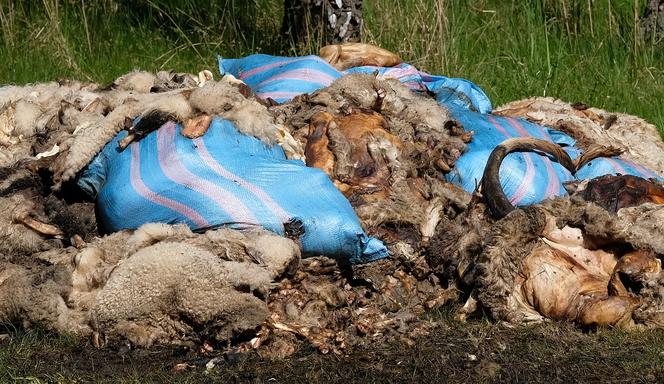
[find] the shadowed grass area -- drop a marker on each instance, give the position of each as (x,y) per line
(475,352)
(577,50)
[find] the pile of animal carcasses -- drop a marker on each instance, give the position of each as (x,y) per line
(593,258)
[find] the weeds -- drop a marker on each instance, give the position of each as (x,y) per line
(576,50)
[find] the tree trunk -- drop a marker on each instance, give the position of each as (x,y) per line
(652,22)
(322,21)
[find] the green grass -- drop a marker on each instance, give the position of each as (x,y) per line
(576,50)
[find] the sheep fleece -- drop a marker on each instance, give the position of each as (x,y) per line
(164,289)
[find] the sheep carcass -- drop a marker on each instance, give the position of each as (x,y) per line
(193,107)
(157,285)
(566,259)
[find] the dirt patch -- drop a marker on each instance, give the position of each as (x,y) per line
(474,352)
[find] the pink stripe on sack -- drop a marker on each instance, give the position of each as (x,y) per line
(554,183)
(526,183)
(530,168)
(301,74)
(498,126)
(645,171)
(178,173)
(223,172)
(265,67)
(616,166)
(414,85)
(516,124)
(399,72)
(425,76)
(145,192)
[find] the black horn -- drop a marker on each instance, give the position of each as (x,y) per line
(492,191)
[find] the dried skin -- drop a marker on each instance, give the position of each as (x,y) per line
(534,265)
(633,271)
(373,151)
(317,151)
(386,149)
(344,56)
(615,192)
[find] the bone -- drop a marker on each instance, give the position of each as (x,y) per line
(40,227)
(196,126)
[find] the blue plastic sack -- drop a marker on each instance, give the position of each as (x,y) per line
(223,178)
(280,78)
(526,178)
(490,131)
(283,78)
(614,166)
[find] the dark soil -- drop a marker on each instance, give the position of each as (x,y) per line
(478,351)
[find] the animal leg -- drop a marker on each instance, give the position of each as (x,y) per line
(608,310)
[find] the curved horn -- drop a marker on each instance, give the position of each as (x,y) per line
(492,191)
(595,151)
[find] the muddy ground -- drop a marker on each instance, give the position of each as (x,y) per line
(478,351)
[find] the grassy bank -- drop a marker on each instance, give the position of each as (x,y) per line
(577,50)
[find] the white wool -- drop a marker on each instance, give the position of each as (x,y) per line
(26,115)
(175,104)
(249,116)
(89,141)
(151,233)
(138,81)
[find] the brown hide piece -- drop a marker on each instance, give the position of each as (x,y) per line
(317,151)
(196,126)
(370,146)
(632,271)
(615,192)
(561,286)
(564,280)
(344,56)
(355,150)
